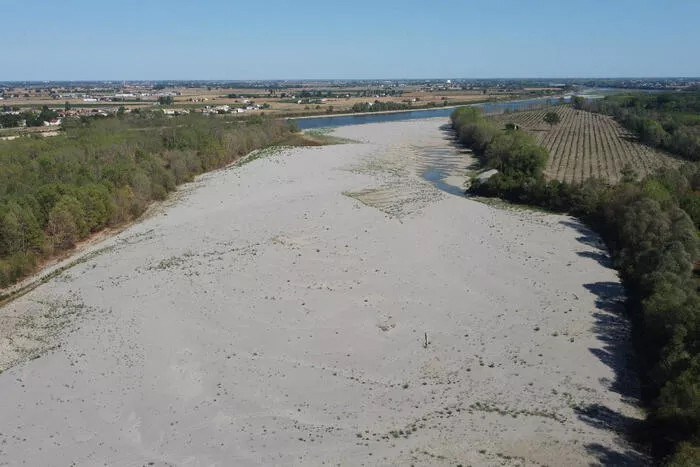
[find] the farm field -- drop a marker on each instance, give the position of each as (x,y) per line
(197,98)
(586,144)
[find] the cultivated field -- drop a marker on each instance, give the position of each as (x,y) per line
(587,145)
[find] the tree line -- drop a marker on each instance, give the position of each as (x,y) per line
(669,121)
(102,172)
(650,227)
(30,118)
(378,106)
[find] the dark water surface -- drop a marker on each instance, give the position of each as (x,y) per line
(345,120)
(488,107)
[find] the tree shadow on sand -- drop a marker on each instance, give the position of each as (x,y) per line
(449,133)
(601,258)
(588,237)
(612,329)
(607,456)
(613,332)
(604,418)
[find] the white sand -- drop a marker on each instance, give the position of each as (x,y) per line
(275,313)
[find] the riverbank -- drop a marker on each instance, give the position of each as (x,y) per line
(319,305)
(425,108)
(490,107)
(359,114)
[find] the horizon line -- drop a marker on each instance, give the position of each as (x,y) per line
(344,79)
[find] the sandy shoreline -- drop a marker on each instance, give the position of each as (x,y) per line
(275,313)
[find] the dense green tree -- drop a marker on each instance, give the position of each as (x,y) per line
(19,229)
(551,118)
(11,120)
(63,225)
(652,133)
(578,102)
(515,153)
(166,100)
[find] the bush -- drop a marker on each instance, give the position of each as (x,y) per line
(515,154)
(15,266)
(552,118)
(686,455)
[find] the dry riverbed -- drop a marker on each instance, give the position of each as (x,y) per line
(325,305)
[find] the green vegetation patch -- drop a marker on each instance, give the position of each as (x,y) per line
(651,229)
(103,172)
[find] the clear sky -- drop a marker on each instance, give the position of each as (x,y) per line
(270,39)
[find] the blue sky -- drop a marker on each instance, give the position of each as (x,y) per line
(218,39)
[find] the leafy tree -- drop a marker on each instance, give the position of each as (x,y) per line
(166,100)
(19,229)
(63,223)
(652,133)
(10,120)
(46,114)
(552,118)
(97,205)
(578,102)
(515,153)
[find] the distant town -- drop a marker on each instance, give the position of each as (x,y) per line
(42,107)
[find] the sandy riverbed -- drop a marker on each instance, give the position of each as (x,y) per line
(276,313)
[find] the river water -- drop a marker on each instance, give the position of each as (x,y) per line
(439,164)
(311,123)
